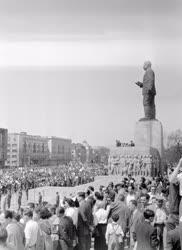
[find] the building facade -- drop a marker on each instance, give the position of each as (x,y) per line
(59,150)
(3,146)
(25,150)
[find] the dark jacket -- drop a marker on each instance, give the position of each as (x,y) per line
(173,240)
(134,221)
(149,83)
(85,218)
(120,208)
(146,236)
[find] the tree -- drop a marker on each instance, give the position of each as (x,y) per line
(173,151)
(174,138)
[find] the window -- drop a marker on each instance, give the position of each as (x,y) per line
(14,151)
(43,149)
(14,156)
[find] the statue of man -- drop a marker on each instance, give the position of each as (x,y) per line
(148,91)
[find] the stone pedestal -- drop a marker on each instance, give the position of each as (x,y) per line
(149,133)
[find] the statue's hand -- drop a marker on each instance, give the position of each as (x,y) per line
(139,84)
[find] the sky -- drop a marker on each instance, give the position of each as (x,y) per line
(68,68)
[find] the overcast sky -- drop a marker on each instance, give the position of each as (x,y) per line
(67,68)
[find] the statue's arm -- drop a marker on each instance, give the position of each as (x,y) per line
(140,84)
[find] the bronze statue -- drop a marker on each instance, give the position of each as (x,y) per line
(148,91)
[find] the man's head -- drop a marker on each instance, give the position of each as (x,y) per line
(60,212)
(80,196)
(153,189)
(159,202)
(130,189)
(8,215)
(146,65)
(143,199)
(149,215)
(28,214)
(132,205)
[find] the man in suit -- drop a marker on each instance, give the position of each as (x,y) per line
(85,222)
(135,217)
(173,240)
(119,207)
(148,91)
(145,234)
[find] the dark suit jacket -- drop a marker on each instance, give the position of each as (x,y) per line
(149,82)
(173,240)
(85,218)
(134,221)
(146,236)
(121,209)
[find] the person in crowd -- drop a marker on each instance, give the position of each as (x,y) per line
(62,231)
(100,224)
(45,228)
(3,239)
(31,230)
(173,239)
(4,201)
(131,195)
(57,199)
(114,234)
(152,193)
(119,207)
(135,217)
(71,211)
(40,199)
(15,237)
(145,235)
(160,220)
(16,219)
(19,198)
(53,216)
(85,223)
(9,199)
(143,203)
(111,192)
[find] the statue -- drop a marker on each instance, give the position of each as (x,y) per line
(118,143)
(148,91)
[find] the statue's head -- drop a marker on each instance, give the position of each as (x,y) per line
(146,65)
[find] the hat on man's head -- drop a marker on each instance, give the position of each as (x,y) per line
(81,194)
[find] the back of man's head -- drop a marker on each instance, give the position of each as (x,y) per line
(148,214)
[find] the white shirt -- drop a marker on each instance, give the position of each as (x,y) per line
(73,213)
(31,231)
(101,216)
(129,197)
(160,216)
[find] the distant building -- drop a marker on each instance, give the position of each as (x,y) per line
(3,146)
(25,150)
(78,152)
(59,150)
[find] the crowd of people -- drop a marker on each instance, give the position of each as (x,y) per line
(131,214)
(72,174)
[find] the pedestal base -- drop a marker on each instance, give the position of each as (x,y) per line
(149,133)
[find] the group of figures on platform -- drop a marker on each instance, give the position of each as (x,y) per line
(135,165)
